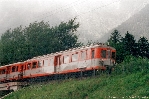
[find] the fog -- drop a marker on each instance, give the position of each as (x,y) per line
(96,17)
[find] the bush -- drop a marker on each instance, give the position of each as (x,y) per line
(132,64)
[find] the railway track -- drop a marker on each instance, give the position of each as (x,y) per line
(51,79)
(5,93)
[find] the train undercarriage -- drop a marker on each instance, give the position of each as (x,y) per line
(18,84)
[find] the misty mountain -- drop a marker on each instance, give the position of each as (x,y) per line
(96,17)
(137,25)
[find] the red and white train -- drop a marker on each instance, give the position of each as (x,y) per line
(93,57)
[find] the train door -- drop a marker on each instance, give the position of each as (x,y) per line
(108,57)
(8,69)
(83,57)
(27,69)
(21,71)
(2,74)
(56,64)
(75,60)
(108,54)
(92,57)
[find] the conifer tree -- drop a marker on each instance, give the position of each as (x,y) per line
(129,44)
(143,47)
(115,41)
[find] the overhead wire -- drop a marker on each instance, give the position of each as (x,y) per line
(84,12)
(58,10)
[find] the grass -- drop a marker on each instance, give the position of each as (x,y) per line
(125,84)
(134,85)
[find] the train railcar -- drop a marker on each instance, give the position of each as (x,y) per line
(93,57)
(11,72)
(87,58)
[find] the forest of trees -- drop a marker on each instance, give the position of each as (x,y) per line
(39,38)
(128,45)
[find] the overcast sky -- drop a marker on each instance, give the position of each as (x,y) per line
(95,16)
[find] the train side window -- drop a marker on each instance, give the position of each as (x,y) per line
(39,64)
(93,53)
(113,55)
(21,68)
(43,63)
(58,60)
(24,68)
(16,68)
(13,69)
(51,62)
(28,65)
(103,53)
(61,60)
(74,57)
(83,55)
(109,53)
(34,64)
(66,59)
(46,62)
(3,71)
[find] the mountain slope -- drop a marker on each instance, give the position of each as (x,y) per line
(138,24)
(96,17)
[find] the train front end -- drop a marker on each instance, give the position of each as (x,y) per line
(107,57)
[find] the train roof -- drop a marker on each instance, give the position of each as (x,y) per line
(74,50)
(11,64)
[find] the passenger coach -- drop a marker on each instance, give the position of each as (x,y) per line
(87,58)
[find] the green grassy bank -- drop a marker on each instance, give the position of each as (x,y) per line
(123,83)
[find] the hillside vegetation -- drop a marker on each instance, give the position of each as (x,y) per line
(130,77)
(129,80)
(39,38)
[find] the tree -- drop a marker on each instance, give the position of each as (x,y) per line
(115,37)
(37,39)
(115,41)
(12,42)
(143,47)
(129,44)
